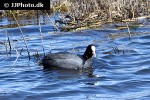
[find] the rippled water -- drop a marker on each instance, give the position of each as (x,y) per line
(121,70)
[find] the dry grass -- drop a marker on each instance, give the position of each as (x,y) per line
(91,13)
(99,11)
(104,9)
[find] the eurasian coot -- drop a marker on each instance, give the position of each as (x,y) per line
(69,60)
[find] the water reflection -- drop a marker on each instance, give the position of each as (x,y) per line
(68,73)
(23,20)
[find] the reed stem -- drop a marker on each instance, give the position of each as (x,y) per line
(21,34)
(40,29)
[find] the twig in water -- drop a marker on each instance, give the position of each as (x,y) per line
(117,49)
(16,56)
(21,51)
(40,29)
(36,56)
(22,35)
(128,31)
(7,39)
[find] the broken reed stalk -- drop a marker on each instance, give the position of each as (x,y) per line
(16,56)
(7,39)
(21,51)
(22,34)
(40,29)
(128,31)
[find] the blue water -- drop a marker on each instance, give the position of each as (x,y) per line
(121,70)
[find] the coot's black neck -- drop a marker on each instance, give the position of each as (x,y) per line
(87,54)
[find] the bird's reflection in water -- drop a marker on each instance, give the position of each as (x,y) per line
(83,76)
(61,73)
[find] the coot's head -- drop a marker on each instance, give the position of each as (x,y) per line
(90,52)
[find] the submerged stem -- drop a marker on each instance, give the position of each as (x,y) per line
(8,39)
(22,35)
(128,31)
(40,29)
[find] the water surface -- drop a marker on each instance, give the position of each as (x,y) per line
(121,70)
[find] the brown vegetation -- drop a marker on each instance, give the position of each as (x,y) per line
(88,12)
(85,14)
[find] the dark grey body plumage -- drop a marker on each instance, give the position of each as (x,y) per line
(69,60)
